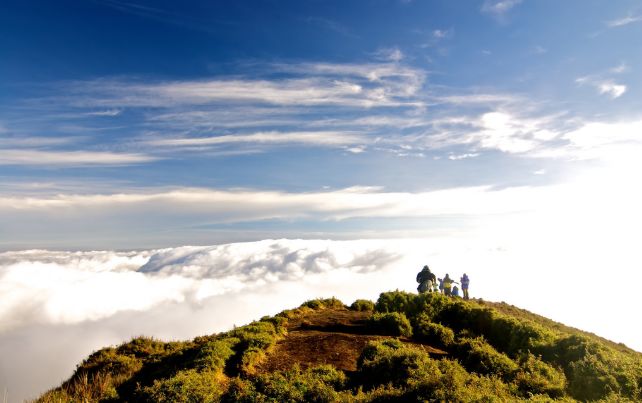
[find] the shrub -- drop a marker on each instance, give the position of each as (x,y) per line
(362,305)
(391,361)
(186,386)
(593,370)
(261,335)
(213,355)
(323,303)
(148,347)
(433,333)
(411,375)
(109,360)
(453,384)
(537,377)
(480,357)
(316,384)
(397,301)
(250,358)
(279,322)
(390,323)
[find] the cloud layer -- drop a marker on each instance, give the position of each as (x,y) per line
(44,287)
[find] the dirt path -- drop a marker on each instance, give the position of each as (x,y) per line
(330,336)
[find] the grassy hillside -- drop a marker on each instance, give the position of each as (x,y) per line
(405,347)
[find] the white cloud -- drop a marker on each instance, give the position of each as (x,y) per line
(441,34)
(612,89)
(603,86)
(456,157)
(499,7)
(45,286)
(499,130)
(70,158)
(315,138)
(620,68)
(356,150)
(164,217)
(308,84)
(34,141)
(502,132)
(251,205)
(479,98)
(389,54)
(107,112)
(610,141)
(620,22)
(436,36)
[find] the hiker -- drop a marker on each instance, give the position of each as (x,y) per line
(465,281)
(455,292)
(425,278)
(448,284)
(435,286)
(441,285)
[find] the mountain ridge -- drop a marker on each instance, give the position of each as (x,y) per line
(404,347)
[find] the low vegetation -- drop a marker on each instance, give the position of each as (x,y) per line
(424,347)
(390,323)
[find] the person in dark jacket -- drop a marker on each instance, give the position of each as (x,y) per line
(425,278)
(465,281)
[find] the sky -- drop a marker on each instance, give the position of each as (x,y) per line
(499,137)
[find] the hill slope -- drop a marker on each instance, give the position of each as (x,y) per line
(406,347)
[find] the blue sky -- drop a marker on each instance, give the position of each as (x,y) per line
(175,101)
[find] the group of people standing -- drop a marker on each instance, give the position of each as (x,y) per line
(428,282)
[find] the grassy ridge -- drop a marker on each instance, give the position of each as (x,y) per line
(495,353)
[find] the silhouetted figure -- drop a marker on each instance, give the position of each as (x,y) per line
(425,278)
(441,285)
(455,291)
(465,281)
(448,284)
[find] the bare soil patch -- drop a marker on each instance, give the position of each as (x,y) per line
(328,336)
